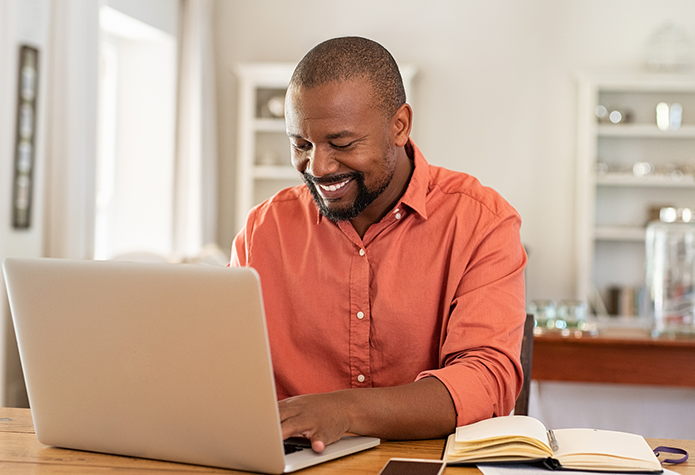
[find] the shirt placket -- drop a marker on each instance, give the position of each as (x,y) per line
(360,315)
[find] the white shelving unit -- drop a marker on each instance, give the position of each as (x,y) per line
(613,203)
(263,153)
(260,132)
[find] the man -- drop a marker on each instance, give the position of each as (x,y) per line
(393,289)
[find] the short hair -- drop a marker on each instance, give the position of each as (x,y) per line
(352,57)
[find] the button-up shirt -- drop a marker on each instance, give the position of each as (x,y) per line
(436,288)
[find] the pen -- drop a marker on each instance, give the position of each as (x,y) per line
(553,440)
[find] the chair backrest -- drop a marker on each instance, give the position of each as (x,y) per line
(521,407)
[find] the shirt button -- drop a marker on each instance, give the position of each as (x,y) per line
(361,378)
(361,252)
(398,215)
(360,315)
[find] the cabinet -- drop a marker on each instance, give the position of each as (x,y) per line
(263,150)
(626,171)
(263,164)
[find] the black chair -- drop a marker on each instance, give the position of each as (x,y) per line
(521,407)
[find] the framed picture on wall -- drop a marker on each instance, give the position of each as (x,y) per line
(25,141)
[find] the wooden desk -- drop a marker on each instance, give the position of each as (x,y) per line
(21,453)
(632,358)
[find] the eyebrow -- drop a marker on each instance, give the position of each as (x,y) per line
(333,136)
(341,134)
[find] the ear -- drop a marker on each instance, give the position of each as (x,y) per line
(401,123)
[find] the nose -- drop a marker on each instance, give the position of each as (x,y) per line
(320,162)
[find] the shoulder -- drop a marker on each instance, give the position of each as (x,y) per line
(466,190)
(286,207)
(293,196)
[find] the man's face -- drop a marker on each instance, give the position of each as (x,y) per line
(340,143)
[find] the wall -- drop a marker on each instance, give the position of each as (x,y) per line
(21,22)
(495,96)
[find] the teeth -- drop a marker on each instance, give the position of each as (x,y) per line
(334,187)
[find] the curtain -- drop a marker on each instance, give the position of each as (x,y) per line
(71,97)
(196,160)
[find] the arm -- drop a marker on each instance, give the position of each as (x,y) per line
(481,342)
(419,410)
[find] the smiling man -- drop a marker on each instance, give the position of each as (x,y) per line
(393,289)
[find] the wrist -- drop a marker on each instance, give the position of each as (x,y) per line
(365,410)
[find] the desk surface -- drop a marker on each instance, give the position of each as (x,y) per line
(21,453)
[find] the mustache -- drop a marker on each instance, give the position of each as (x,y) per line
(330,179)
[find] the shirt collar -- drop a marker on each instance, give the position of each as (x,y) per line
(415,196)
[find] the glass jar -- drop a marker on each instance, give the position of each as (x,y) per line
(670,255)
(544,312)
(571,314)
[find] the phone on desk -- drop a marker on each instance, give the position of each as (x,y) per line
(403,466)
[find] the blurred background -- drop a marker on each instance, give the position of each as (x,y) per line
(131,126)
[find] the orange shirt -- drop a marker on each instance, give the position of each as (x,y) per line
(436,288)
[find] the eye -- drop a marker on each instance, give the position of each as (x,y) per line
(341,146)
(301,146)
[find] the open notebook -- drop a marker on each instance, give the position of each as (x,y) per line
(159,361)
(525,439)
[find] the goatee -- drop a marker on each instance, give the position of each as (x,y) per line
(364,197)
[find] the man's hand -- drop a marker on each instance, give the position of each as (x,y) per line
(321,418)
(419,410)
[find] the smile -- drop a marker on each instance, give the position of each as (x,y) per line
(334,187)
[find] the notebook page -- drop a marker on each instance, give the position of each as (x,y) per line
(593,441)
(507,426)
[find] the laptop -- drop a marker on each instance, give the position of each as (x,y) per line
(160,361)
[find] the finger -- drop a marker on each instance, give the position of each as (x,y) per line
(320,439)
(289,407)
(317,445)
(290,428)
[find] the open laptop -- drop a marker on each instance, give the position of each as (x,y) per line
(160,361)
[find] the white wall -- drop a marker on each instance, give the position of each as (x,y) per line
(21,22)
(495,96)
(652,411)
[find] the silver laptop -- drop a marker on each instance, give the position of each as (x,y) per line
(160,361)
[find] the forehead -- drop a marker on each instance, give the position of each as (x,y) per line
(330,108)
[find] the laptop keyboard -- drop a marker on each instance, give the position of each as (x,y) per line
(296,444)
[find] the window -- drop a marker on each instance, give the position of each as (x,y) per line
(136,138)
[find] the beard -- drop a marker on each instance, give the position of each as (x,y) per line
(365,196)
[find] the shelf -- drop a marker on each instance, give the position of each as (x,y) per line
(260,136)
(645,131)
(620,233)
(613,207)
(649,83)
(275,172)
(655,181)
